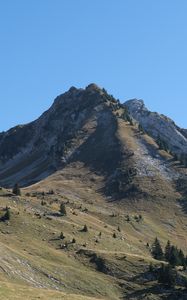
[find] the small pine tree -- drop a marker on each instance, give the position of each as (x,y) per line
(62,236)
(16,190)
(104,90)
(114,235)
(140,128)
(85,228)
(51,192)
(119,229)
(167,252)
(167,275)
(6,216)
(43,203)
(151,269)
(128,218)
(129,119)
(73,241)
(63,209)
(174,257)
(181,258)
(157,250)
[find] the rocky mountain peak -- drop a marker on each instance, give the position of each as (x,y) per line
(158,126)
(136,104)
(93,87)
(54,138)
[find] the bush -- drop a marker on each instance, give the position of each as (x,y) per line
(140,128)
(16,190)
(127,218)
(85,228)
(62,236)
(63,209)
(51,192)
(6,216)
(151,268)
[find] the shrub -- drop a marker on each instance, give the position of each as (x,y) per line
(140,128)
(63,209)
(51,192)
(151,269)
(6,216)
(119,229)
(127,218)
(62,236)
(16,190)
(85,228)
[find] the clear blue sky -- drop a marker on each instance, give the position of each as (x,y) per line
(133,48)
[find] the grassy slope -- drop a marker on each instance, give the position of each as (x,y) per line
(33,265)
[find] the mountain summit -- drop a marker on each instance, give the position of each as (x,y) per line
(80,125)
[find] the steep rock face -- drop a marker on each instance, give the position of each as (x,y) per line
(159,125)
(80,125)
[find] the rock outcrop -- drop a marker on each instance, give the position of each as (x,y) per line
(159,126)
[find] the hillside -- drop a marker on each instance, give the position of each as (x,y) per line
(86,153)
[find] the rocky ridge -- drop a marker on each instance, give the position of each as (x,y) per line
(158,126)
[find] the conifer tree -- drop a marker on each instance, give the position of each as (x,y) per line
(85,228)
(63,209)
(167,275)
(62,236)
(16,190)
(181,258)
(140,128)
(167,251)
(6,216)
(174,256)
(157,250)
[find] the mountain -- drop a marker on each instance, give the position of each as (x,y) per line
(80,125)
(159,126)
(102,161)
